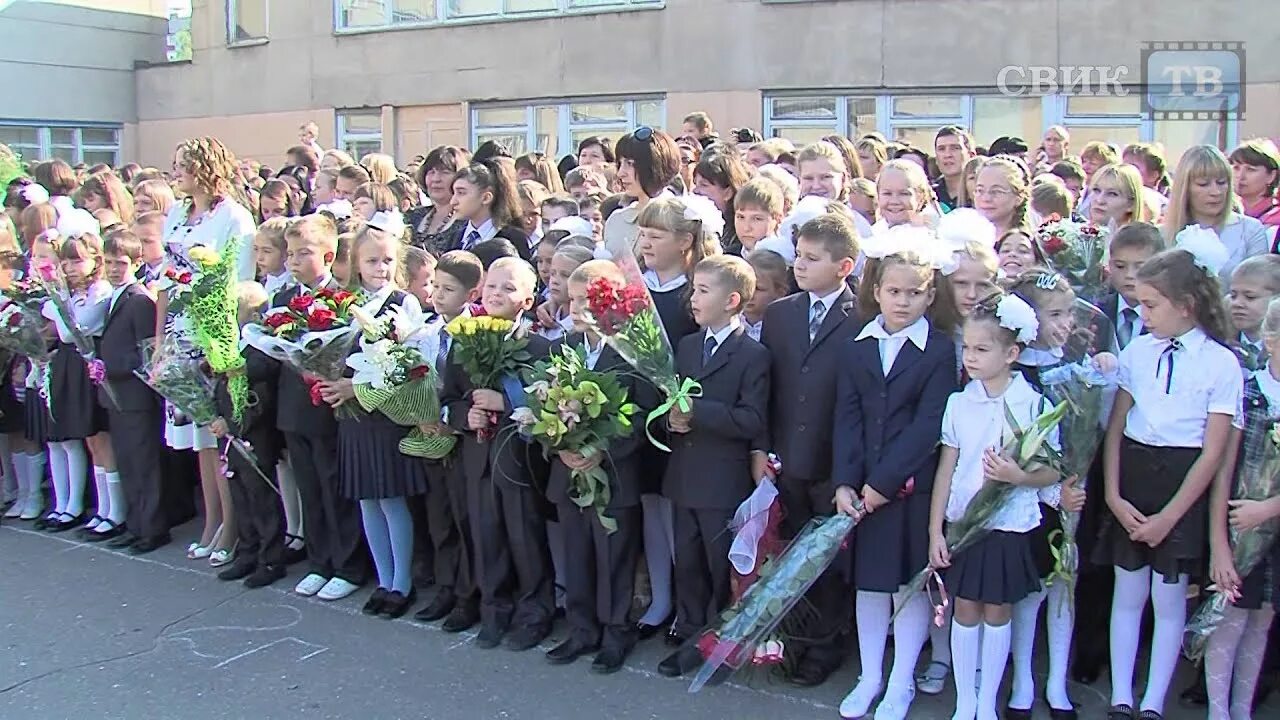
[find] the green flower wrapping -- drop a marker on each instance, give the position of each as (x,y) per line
(10,169)
(409,404)
(212,309)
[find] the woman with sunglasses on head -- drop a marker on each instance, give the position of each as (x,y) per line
(648,160)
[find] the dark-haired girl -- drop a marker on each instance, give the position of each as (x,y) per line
(485,197)
(718,176)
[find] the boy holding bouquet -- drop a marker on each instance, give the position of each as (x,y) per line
(709,474)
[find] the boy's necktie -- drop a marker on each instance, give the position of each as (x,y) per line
(817,313)
(708,348)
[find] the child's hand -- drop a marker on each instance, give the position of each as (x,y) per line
(219,428)
(477,418)
(1072,497)
(337,392)
(1105,363)
(578,461)
(546,314)
(434,429)
(1126,514)
(872,500)
(998,468)
(1223,572)
(679,420)
(1246,514)
(939,557)
(486,399)
(844,501)
(761,467)
(1154,531)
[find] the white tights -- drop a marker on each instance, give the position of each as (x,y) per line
(1169,600)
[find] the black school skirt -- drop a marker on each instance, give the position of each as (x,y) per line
(1149,478)
(999,569)
(74,411)
(1262,585)
(370,464)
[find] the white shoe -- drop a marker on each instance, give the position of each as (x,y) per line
(896,703)
(336,589)
(934,678)
(311,584)
(15,510)
(858,702)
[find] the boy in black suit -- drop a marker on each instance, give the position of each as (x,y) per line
(804,333)
(709,473)
(335,535)
(513,560)
(136,421)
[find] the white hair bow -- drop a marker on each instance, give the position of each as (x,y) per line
(1015,314)
(703,210)
(388,221)
(1205,246)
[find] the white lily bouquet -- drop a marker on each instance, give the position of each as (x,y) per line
(394,377)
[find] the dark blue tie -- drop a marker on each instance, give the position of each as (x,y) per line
(708,348)
(1173,347)
(442,353)
(473,237)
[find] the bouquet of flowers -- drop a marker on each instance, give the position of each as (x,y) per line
(21,332)
(742,637)
(207,297)
(491,351)
(54,286)
(392,376)
(626,318)
(29,294)
(1257,478)
(1076,250)
(176,376)
(313,334)
(570,407)
(1028,448)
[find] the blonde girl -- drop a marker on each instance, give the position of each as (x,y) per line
(105,191)
(873,153)
(152,196)
(1001,193)
(1203,194)
(381,168)
(902,195)
(1115,197)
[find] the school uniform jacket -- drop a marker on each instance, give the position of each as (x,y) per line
(130,320)
(257,425)
(621,460)
(295,412)
(802,379)
(887,427)
(710,466)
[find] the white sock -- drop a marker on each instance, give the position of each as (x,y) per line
(58,473)
(1026,616)
(77,474)
(910,629)
(36,462)
(1060,617)
(1253,648)
(1133,587)
(20,475)
(290,498)
(658,517)
(872,611)
(966,643)
(115,489)
(103,507)
(940,638)
(1169,600)
(995,656)
(1220,660)
(11,491)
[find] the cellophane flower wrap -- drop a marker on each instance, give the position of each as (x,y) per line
(624,315)
(54,285)
(489,349)
(745,626)
(570,407)
(313,334)
(1029,448)
(1257,478)
(21,332)
(206,296)
(393,377)
(1076,250)
(29,294)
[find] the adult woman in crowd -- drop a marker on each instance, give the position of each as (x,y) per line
(434,226)
(1203,194)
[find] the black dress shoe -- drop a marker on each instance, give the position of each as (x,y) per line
(84,531)
(608,661)
(1013,713)
(1120,712)
(149,544)
(674,639)
(293,556)
(397,604)
(524,638)
(65,522)
(439,606)
(123,541)
(811,673)
(464,616)
(681,662)
(1056,714)
(373,605)
(568,651)
(264,576)
(644,631)
(113,531)
(490,636)
(238,570)
(43,521)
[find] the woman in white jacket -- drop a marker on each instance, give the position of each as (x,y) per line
(1203,194)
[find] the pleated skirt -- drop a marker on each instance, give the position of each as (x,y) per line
(74,410)
(999,569)
(370,464)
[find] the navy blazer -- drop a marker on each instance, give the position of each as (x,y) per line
(130,321)
(888,428)
(801,380)
(295,413)
(257,425)
(710,466)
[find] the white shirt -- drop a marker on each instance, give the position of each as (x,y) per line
(593,352)
(826,300)
(1135,323)
(1206,380)
(654,284)
(115,296)
(973,422)
(723,334)
(213,229)
(275,283)
(563,326)
(891,343)
(486,231)
(752,328)
(1270,389)
(89,309)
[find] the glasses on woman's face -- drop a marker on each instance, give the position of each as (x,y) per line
(995,193)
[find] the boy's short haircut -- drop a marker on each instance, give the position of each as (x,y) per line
(494,249)
(1049,198)
(519,269)
(562,201)
(463,266)
(317,227)
(586,174)
(593,270)
(1261,267)
(1068,170)
(415,258)
(835,232)
(356,173)
(150,218)
(731,272)
(771,265)
(760,194)
(123,243)
(593,200)
(329,175)
(1138,236)
(275,230)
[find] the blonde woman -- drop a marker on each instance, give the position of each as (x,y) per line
(1203,194)
(873,153)
(382,168)
(1116,192)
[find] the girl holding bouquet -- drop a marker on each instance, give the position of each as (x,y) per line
(1236,648)
(1179,390)
(371,467)
(995,572)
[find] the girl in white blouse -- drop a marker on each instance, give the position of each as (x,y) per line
(998,570)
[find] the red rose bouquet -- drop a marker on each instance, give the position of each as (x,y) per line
(1076,250)
(21,332)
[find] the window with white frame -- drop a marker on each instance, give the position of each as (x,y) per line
(374,14)
(556,128)
(360,132)
(246,21)
(89,145)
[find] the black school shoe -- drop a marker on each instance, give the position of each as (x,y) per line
(238,570)
(441,605)
(608,661)
(373,605)
(99,535)
(264,576)
(149,544)
(396,604)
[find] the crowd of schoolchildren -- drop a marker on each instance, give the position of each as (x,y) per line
(862,372)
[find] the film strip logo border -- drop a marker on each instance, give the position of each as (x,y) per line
(1151,47)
